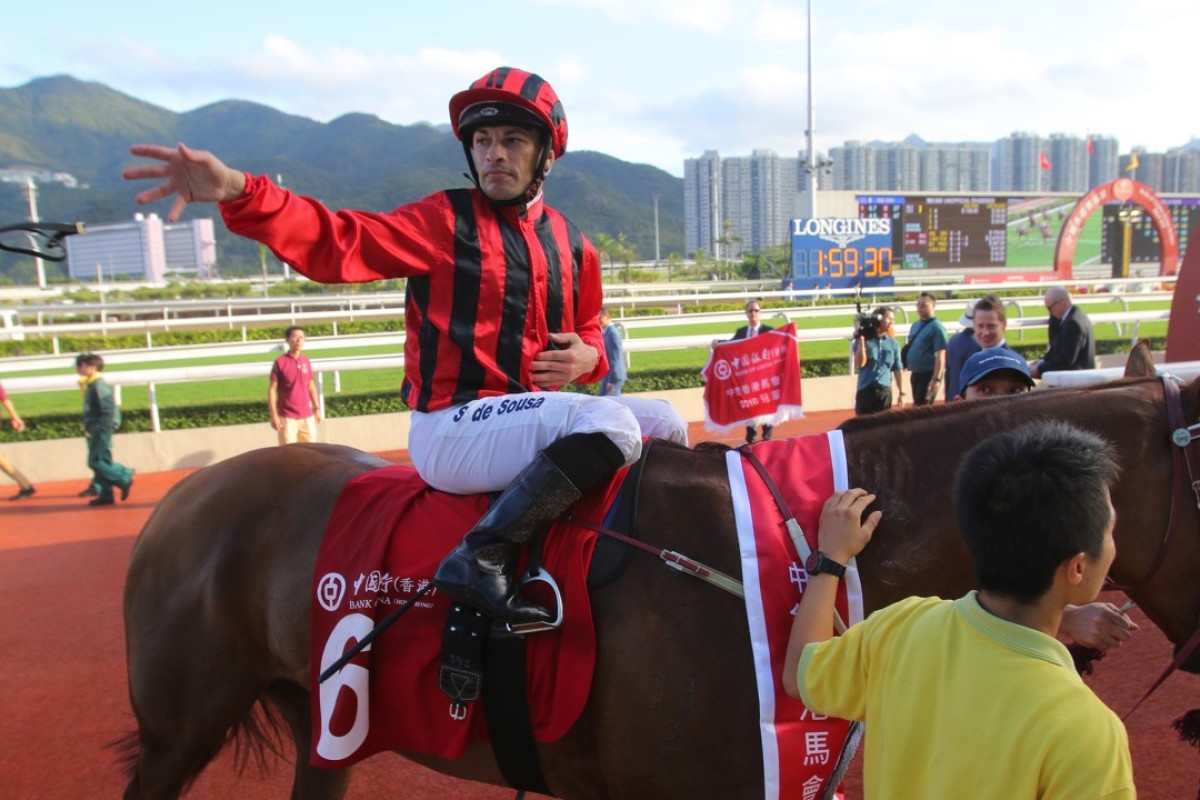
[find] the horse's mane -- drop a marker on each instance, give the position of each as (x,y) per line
(912,413)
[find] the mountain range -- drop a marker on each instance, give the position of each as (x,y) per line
(62,124)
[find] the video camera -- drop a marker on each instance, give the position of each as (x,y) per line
(869,325)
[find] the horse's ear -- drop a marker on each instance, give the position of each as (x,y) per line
(1140,363)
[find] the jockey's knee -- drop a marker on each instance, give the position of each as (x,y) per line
(585,458)
(670,426)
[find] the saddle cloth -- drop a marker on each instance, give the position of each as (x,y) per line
(386,536)
(800,749)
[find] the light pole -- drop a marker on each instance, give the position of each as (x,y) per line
(810,165)
(31,196)
(657,253)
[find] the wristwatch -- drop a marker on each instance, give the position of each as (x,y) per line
(818,562)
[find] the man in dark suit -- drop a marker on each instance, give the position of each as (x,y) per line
(754,328)
(1072,342)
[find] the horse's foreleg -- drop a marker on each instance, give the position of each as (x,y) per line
(309,782)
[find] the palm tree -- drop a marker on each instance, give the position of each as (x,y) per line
(727,240)
(607,246)
(626,251)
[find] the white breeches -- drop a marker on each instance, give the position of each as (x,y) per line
(480,446)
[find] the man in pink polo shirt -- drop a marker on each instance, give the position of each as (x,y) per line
(292,396)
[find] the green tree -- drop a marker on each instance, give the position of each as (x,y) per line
(730,240)
(606,246)
(626,253)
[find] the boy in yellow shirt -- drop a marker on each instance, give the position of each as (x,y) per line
(975,697)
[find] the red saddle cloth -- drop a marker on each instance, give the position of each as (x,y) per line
(385,538)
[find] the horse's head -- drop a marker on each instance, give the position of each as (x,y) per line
(909,458)
(1167,587)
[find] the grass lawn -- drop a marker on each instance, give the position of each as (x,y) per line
(1032,251)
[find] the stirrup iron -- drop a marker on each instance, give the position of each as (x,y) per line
(522,628)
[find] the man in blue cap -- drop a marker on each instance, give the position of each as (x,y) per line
(994,373)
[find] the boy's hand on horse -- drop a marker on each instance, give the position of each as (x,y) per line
(193,176)
(1100,626)
(843,531)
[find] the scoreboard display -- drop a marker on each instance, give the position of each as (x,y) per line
(841,253)
(1145,247)
(942,232)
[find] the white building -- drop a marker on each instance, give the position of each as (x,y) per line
(143,249)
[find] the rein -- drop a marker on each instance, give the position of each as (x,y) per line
(674,560)
(1183,437)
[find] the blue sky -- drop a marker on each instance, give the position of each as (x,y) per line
(655,81)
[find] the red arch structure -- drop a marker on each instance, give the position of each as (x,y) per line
(1124,190)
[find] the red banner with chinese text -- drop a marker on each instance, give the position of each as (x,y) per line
(753,381)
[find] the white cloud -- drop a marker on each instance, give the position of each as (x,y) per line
(780,23)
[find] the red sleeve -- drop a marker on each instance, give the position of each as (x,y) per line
(341,246)
(587,322)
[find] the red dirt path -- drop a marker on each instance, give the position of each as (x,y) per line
(62,659)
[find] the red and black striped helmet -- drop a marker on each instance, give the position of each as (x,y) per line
(513,96)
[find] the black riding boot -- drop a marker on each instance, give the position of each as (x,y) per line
(480,571)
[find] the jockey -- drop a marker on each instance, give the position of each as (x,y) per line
(501,310)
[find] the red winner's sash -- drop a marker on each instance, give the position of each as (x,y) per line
(800,747)
(753,381)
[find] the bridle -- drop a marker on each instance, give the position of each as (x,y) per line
(1183,459)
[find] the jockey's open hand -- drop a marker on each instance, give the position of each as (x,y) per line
(193,176)
(567,360)
(843,531)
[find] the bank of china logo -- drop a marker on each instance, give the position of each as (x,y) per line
(722,370)
(330,590)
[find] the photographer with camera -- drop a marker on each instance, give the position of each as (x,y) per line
(877,356)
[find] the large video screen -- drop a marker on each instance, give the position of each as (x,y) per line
(1145,245)
(940,232)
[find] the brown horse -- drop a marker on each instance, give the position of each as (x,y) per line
(216,602)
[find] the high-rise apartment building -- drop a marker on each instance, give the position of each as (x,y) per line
(775,184)
(1068,160)
(1017,164)
(854,166)
(909,166)
(1181,169)
(1103,160)
(738,205)
(702,203)
(1148,170)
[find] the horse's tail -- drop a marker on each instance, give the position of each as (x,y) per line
(258,737)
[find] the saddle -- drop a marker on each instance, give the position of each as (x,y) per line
(475,647)
(386,535)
